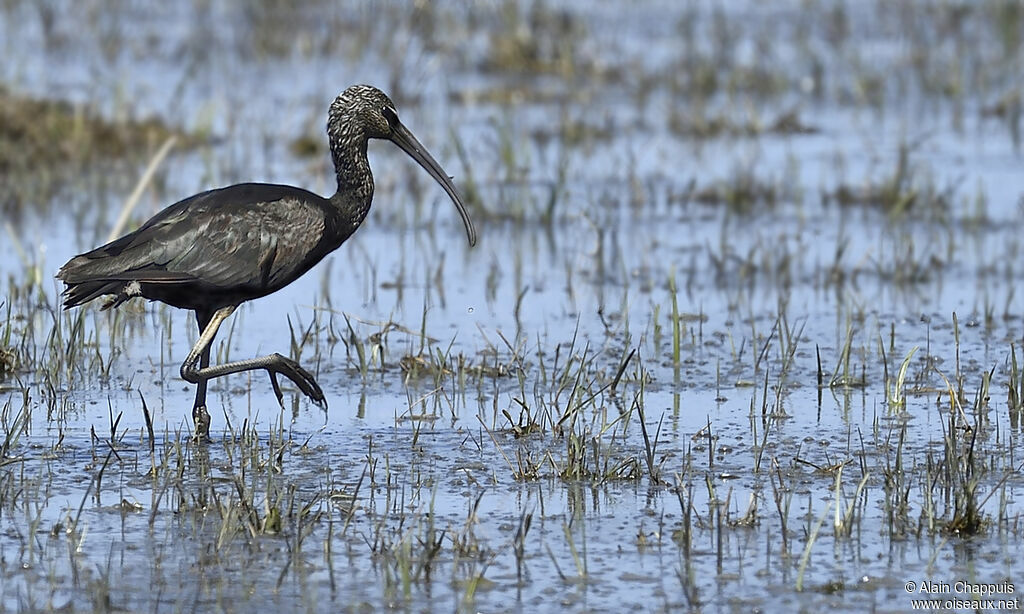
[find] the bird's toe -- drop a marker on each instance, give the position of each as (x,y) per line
(303,379)
(277,388)
(314,392)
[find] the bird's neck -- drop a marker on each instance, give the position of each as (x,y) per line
(355,182)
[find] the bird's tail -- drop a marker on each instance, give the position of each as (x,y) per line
(82,292)
(82,284)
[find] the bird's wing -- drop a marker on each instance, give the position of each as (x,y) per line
(249,235)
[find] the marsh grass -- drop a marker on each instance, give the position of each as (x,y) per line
(45,143)
(540,40)
(578,416)
(907,186)
(687,124)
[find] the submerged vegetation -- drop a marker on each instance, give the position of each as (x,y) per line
(743,314)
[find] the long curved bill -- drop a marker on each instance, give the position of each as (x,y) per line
(401,136)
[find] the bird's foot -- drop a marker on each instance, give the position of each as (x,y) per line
(201,418)
(302,378)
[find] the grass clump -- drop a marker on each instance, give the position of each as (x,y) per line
(541,40)
(8,362)
(8,357)
(44,142)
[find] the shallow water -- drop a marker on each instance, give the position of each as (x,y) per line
(408,492)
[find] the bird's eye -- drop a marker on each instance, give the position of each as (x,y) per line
(390,114)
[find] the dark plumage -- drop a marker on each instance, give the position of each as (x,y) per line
(215,250)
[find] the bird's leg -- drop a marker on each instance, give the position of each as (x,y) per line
(200,415)
(274,364)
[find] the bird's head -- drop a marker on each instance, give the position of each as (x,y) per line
(364,112)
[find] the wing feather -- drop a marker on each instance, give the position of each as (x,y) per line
(253,236)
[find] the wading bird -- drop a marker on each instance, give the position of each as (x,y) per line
(215,250)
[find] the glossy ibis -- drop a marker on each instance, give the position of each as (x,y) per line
(215,250)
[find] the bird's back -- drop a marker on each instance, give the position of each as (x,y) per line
(213,249)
